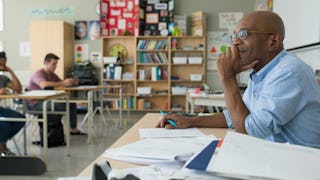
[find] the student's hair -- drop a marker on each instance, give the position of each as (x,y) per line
(50,56)
(3,55)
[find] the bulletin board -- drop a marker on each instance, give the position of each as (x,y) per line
(119,17)
(156,17)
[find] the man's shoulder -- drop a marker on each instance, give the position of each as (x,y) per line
(38,72)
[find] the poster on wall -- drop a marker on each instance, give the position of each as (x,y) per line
(217,42)
(94,30)
(156,17)
(229,20)
(118,18)
(87,30)
(263,5)
(81,53)
(81,30)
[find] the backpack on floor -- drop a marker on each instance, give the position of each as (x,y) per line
(55,135)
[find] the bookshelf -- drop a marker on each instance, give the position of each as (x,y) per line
(158,82)
(117,70)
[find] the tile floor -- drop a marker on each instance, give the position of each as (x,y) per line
(81,153)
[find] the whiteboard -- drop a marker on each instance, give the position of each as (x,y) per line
(301,19)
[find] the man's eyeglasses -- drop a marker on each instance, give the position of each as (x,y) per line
(243,34)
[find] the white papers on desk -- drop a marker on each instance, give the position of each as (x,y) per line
(159,150)
(168,172)
(76,178)
(86,86)
(244,156)
(169,133)
(202,94)
(41,93)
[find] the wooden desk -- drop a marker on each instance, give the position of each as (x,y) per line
(148,121)
(89,101)
(204,100)
(45,99)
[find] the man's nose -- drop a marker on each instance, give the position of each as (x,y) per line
(236,41)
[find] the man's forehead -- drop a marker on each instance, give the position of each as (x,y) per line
(247,24)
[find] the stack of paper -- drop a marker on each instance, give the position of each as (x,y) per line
(243,156)
(169,133)
(159,150)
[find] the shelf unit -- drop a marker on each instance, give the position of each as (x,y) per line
(153,70)
(110,46)
(187,46)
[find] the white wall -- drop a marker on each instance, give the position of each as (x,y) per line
(310,56)
(301,20)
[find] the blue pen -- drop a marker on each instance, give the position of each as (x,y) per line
(169,120)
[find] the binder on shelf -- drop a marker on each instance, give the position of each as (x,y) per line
(154,72)
(110,71)
(117,72)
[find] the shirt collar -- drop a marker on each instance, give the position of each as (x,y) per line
(258,76)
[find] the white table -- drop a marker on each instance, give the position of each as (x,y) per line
(45,97)
(132,135)
(203,99)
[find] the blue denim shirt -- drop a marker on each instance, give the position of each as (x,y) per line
(284,102)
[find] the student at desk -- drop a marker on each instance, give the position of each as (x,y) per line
(46,77)
(282,100)
(8,129)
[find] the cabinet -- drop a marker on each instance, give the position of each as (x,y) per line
(161,68)
(51,36)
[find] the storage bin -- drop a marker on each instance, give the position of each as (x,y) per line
(144,90)
(195,60)
(178,90)
(196,77)
(179,60)
(109,60)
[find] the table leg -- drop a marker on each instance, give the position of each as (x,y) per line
(192,105)
(45,130)
(90,118)
(67,122)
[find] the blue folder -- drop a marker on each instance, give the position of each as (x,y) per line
(201,161)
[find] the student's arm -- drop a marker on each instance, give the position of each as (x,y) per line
(228,66)
(15,84)
(66,82)
(215,121)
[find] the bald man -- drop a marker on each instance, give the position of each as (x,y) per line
(282,100)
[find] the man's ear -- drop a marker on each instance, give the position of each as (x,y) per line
(275,42)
